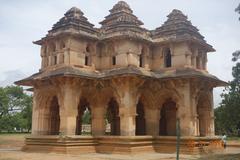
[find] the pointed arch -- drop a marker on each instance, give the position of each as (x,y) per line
(54,117)
(167,57)
(140,119)
(168,116)
(112,116)
(83,121)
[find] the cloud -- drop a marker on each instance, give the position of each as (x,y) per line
(9,77)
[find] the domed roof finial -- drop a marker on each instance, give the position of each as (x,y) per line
(74,18)
(121,6)
(74,12)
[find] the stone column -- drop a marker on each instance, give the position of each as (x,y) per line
(68,96)
(211,116)
(127,120)
(126,91)
(184,112)
(194,113)
(98,120)
(35,114)
(152,117)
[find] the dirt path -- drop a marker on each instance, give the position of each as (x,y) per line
(10,150)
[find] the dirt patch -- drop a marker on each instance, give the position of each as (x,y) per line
(12,140)
(10,150)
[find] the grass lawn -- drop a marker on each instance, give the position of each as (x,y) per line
(233,138)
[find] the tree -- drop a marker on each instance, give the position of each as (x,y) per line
(238,9)
(15,109)
(86,118)
(228,114)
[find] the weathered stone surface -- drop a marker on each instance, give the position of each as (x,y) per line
(135,81)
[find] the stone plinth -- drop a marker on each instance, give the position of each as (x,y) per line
(121,144)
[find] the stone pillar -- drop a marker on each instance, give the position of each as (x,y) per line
(98,120)
(200,60)
(194,113)
(152,117)
(126,91)
(127,120)
(211,116)
(184,112)
(68,96)
(49,60)
(35,114)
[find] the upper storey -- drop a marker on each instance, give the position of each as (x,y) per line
(121,41)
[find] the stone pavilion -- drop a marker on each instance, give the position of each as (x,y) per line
(137,80)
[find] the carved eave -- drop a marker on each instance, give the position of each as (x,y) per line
(75,34)
(125,71)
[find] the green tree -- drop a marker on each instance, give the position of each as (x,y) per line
(228,114)
(15,109)
(86,118)
(238,9)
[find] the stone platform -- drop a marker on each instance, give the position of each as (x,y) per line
(121,144)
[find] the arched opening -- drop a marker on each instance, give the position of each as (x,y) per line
(168,118)
(167,57)
(54,117)
(113,118)
(86,61)
(54,60)
(140,60)
(62,45)
(140,119)
(88,48)
(114,60)
(83,124)
(203,112)
(142,56)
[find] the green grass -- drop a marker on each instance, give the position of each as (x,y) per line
(233,138)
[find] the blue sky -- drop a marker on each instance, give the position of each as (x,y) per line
(22,22)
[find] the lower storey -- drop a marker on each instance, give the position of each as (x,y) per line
(121,144)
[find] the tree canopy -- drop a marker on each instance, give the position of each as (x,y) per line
(15,109)
(228,114)
(238,9)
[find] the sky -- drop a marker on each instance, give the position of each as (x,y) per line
(25,21)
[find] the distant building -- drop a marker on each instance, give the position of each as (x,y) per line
(140,80)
